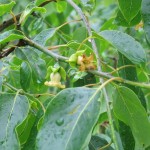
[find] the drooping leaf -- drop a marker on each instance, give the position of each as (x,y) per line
(129,8)
(121,21)
(29,9)
(24,129)
(25,75)
(10,35)
(146,17)
(128,73)
(125,44)
(5,8)
(127,108)
(37,64)
(13,110)
(70,115)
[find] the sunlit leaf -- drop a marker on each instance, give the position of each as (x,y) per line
(5,8)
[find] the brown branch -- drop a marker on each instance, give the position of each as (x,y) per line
(11,49)
(9,22)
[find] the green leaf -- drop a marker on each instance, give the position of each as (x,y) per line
(82,31)
(45,35)
(61,6)
(125,44)
(109,24)
(62,129)
(146,17)
(121,21)
(11,35)
(37,64)
(88,4)
(129,8)
(14,109)
(29,9)
(39,2)
(24,129)
(1,81)
(97,142)
(25,75)
(5,8)
(79,75)
(127,108)
(62,73)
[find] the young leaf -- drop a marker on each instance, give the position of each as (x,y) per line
(70,115)
(129,8)
(146,17)
(125,44)
(11,35)
(127,108)
(4,8)
(25,75)
(13,110)
(29,9)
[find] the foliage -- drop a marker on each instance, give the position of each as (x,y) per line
(74,75)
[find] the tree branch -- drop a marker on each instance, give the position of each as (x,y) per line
(11,49)
(46,51)
(99,68)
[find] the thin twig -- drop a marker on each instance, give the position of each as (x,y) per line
(46,51)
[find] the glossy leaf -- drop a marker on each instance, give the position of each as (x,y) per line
(29,9)
(146,17)
(37,64)
(127,108)
(10,35)
(13,110)
(129,8)
(125,44)
(5,8)
(66,117)
(25,75)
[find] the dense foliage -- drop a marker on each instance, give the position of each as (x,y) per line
(74,75)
